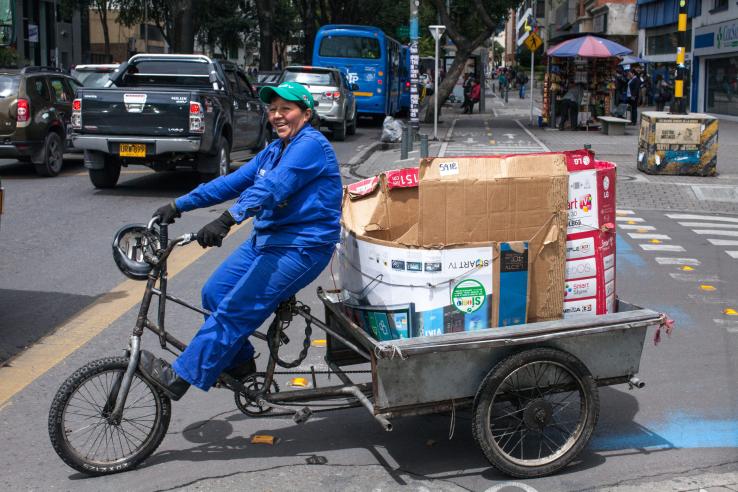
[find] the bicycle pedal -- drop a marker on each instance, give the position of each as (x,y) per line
(302,415)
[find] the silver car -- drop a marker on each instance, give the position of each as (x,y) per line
(333,93)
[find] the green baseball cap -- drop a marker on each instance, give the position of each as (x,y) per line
(289,91)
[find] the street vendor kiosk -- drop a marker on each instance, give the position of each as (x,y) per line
(587,60)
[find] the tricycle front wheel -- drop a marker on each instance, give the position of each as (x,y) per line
(535,411)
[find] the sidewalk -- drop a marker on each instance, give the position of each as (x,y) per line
(509,123)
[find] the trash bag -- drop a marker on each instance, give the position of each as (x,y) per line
(391,130)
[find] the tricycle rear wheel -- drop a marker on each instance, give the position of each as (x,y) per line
(535,411)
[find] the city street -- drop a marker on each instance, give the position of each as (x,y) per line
(63,303)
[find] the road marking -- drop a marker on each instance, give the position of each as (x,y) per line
(661,260)
(722,242)
(624,212)
(733,254)
(715,232)
(690,277)
(628,219)
(703,299)
(636,227)
(449,134)
(77,331)
(700,217)
(638,235)
(535,139)
(726,322)
(708,288)
(662,247)
(707,224)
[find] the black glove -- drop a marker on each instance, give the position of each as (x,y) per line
(213,233)
(167,213)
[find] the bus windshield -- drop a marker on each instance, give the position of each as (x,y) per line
(350,47)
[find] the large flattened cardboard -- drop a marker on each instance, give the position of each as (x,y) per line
(464,200)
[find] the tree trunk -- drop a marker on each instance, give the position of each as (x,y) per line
(308,27)
(106,35)
(449,82)
(184,29)
(265,15)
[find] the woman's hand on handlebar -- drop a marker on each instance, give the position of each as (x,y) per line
(167,213)
(213,233)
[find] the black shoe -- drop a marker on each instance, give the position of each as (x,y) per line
(243,370)
(160,373)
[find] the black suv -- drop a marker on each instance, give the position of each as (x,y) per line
(35,108)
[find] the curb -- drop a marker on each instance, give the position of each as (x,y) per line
(364,154)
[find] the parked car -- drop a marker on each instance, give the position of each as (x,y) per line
(93,75)
(333,93)
(166,112)
(35,111)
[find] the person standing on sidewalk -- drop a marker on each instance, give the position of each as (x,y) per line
(632,92)
(467,85)
(474,95)
(522,82)
(570,106)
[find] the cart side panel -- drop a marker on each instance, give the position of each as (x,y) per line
(451,375)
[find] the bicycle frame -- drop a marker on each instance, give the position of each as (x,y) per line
(284,313)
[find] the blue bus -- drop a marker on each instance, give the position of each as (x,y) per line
(370,59)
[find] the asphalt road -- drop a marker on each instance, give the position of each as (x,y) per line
(55,263)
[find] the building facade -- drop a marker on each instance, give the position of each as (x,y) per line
(613,19)
(715,58)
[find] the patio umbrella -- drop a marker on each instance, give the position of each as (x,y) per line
(588,47)
(630,60)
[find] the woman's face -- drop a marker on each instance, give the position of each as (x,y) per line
(287,118)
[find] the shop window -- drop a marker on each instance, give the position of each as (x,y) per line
(666,43)
(721,89)
(719,5)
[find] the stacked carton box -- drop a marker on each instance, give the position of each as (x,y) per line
(590,240)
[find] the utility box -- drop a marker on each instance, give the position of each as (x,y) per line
(678,144)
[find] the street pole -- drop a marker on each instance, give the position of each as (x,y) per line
(437,32)
(414,62)
(532,84)
(57,62)
(680,106)
(146,26)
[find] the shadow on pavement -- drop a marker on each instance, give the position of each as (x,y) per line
(26,316)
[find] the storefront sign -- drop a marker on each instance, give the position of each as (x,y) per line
(677,133)
(716,38)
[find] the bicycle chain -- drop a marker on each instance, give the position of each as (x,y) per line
(274,340)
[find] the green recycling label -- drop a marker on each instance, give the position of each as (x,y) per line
(468,296)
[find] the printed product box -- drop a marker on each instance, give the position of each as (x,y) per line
(459,244)
(590,242)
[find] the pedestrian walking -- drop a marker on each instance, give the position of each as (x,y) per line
(632,93)
(662,92)
(522,82)
(293,190)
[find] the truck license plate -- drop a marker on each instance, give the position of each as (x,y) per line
(132,150)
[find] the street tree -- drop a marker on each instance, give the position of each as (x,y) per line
(101,7)
(469,24)
(225,25)
(175,19)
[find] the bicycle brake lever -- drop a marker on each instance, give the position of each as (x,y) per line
(188,238)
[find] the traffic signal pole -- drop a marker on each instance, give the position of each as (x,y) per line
(680,106)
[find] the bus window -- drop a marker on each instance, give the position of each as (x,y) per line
(350,47)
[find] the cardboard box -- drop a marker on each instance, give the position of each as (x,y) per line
(590,240)
(454,236)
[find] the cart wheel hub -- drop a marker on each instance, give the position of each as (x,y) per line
(537,414)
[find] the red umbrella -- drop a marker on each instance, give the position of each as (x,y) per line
(588,47)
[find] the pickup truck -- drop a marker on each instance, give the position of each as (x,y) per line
(166,112)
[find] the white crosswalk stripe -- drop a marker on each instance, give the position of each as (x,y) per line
(624,212)
(700,217)
(713,228)
(639,227)
(666,260)
(628,219)
(662,247)
(638,235)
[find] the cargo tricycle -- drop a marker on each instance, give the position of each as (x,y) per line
(532,388)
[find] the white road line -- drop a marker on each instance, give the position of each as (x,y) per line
(723,242)
(626,219)
(715,232)
(624,212)
(638,235)
(636,226)
(712,300)
(662,247)
(726,322)
(661,260)
(732,329)
(733,254)
(708,224)
(689,277)
(449,134)
(535,139)
(700,217)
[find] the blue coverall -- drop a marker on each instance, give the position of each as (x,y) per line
(294,194)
